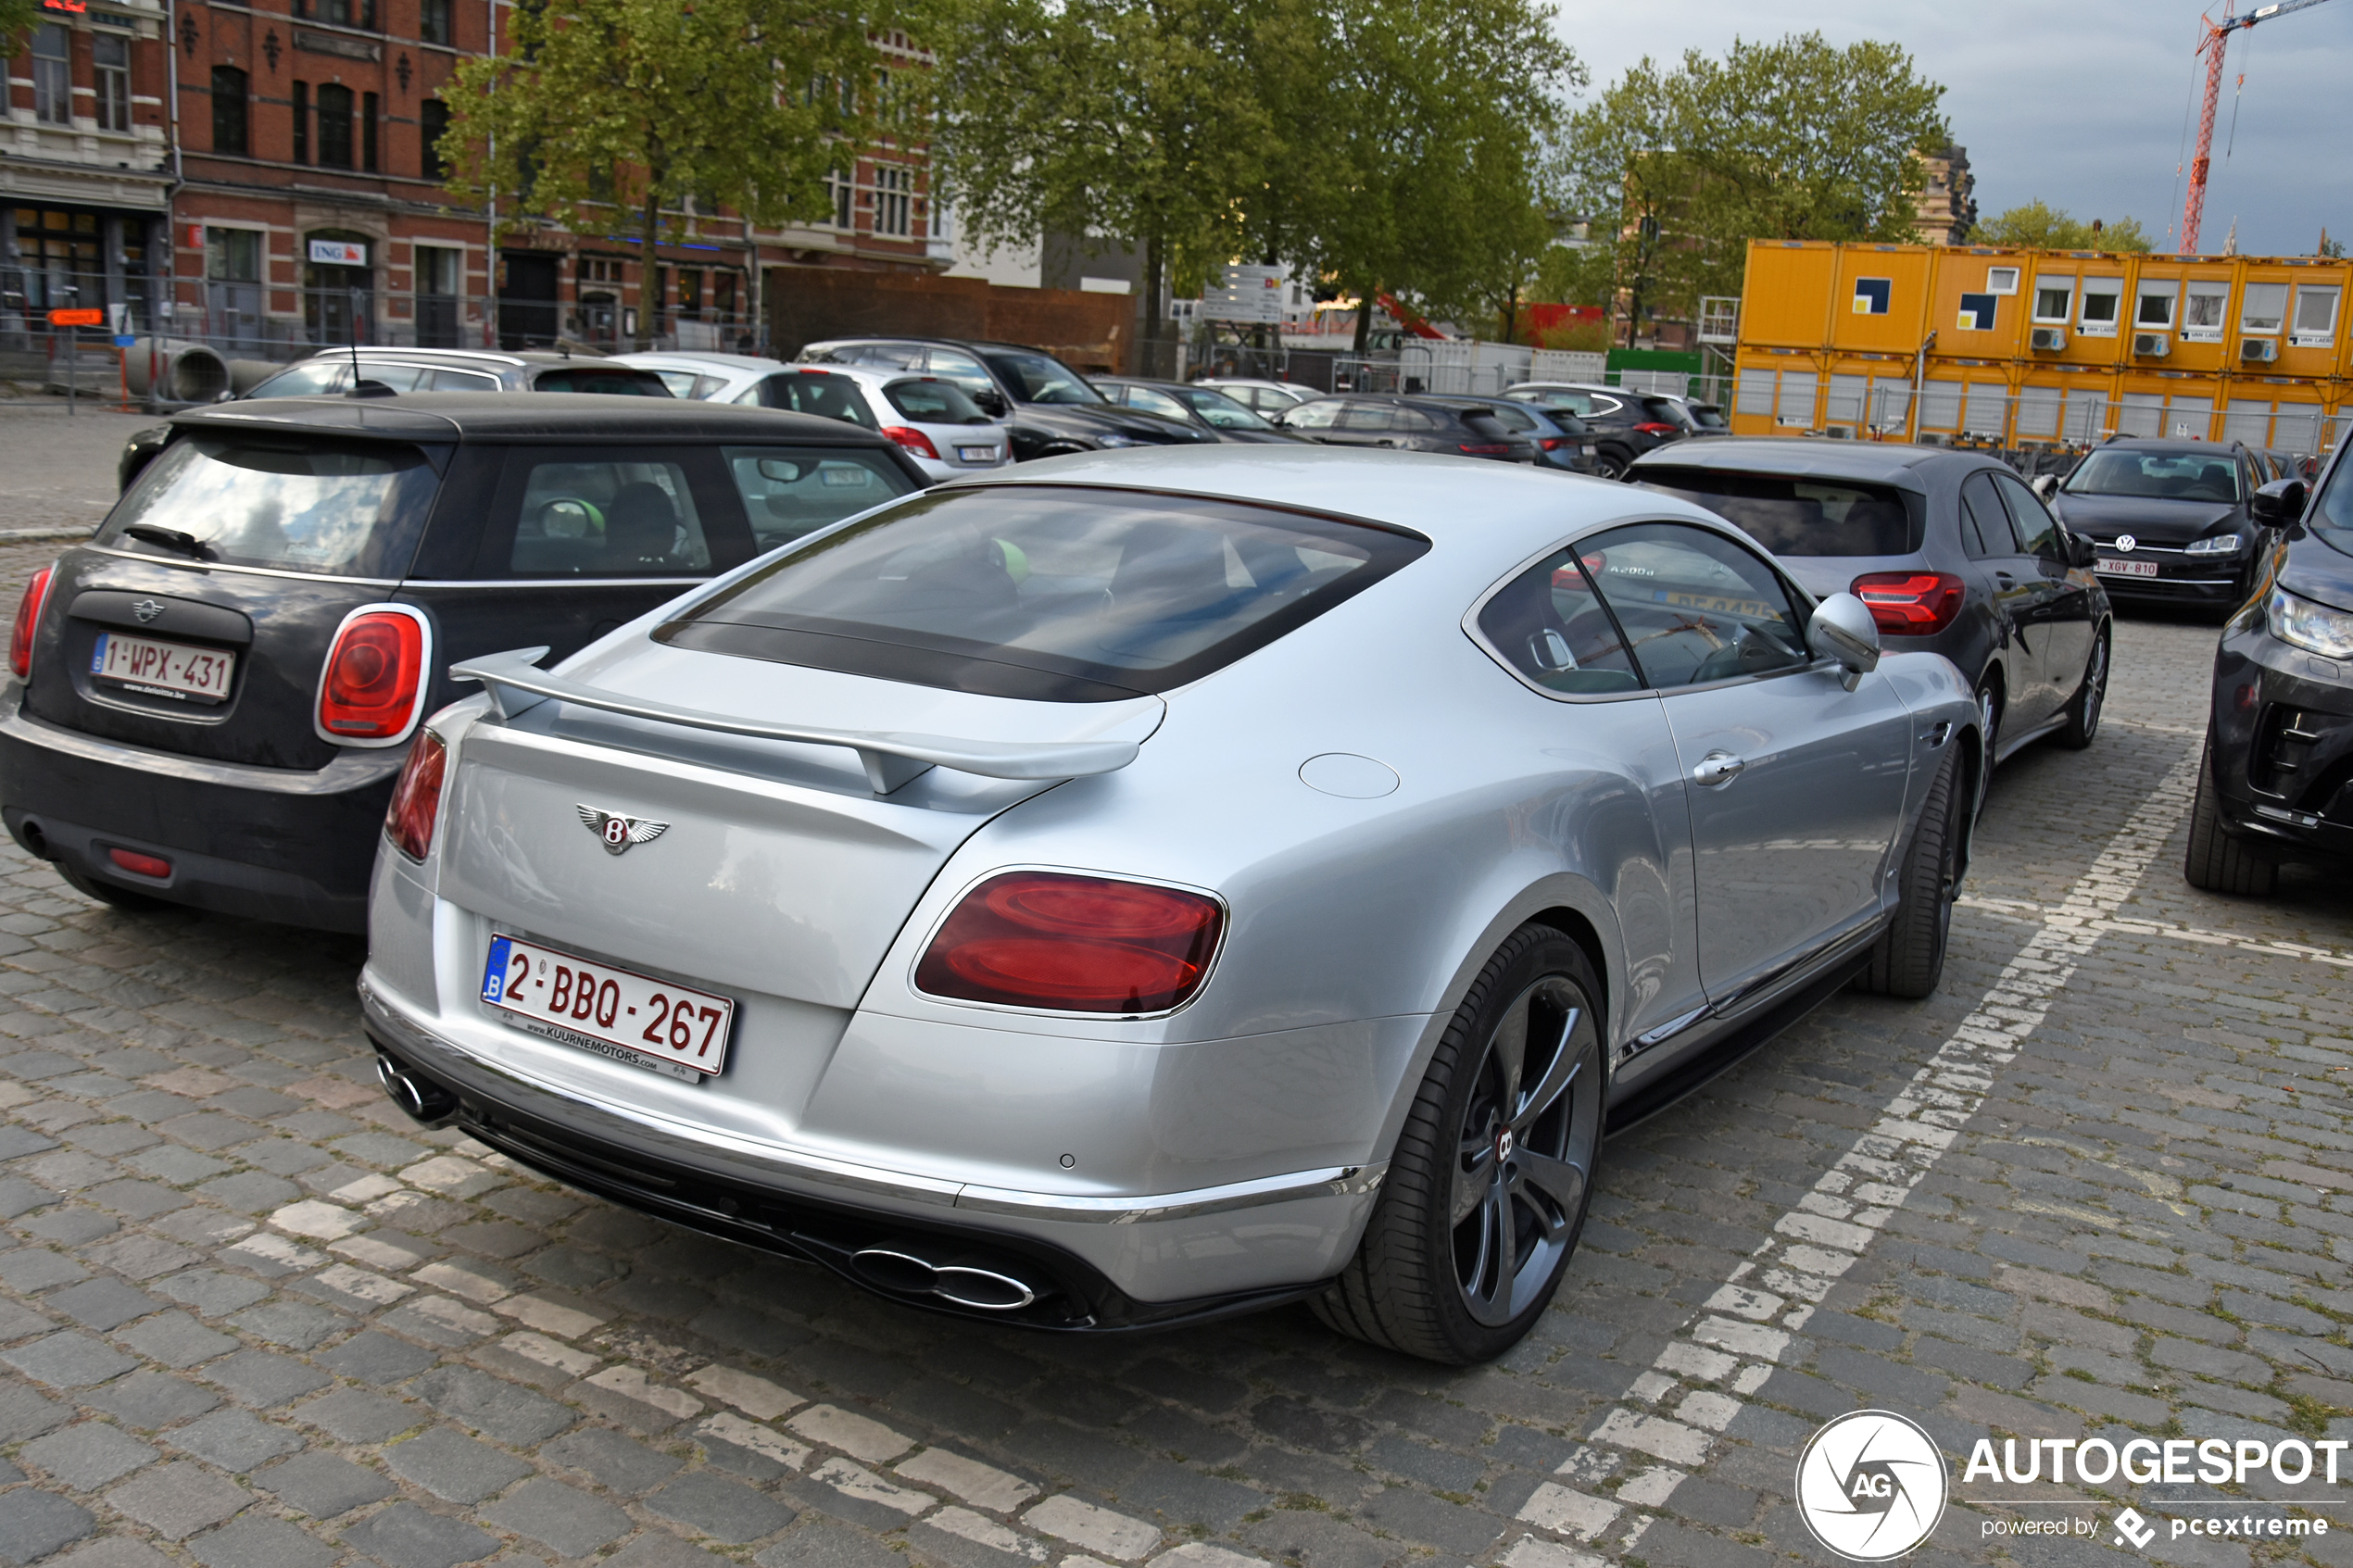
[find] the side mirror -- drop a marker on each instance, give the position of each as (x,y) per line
(2044,483)
(2079,550)
(2278,504)
(991,402)
(1843,629)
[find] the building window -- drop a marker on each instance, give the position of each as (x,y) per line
(229,110)
(334,127)
(232,256)
(110,62)
(432,119)
(838,188)
(368,116)
(2054,299)
(52,75)
(432,22)
(894,200)
(302,122)
(349,13)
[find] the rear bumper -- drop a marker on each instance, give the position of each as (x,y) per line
(1094,1263)
(264,843)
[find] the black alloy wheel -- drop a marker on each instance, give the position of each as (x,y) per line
(1908,959)
(2090,695)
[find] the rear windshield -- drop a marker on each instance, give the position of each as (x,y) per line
(934,402)
(344,509)
(2171,476)
(815,392)
(1047,593)
(1793,516)
(623,384)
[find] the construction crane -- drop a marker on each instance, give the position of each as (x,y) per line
(2216,40)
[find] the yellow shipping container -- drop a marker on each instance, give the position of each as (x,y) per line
(1987,344)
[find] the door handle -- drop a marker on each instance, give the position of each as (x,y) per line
(1717,768)
(2005,580)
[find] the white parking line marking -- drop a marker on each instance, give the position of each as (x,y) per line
(1826,1234)
(2024,909)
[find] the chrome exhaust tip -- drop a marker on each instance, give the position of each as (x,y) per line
(965,1280)
(425,1101)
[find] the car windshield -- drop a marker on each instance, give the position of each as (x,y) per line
(1706,416)
(311,379)
(345,509)
(933,402)
(2164,476)
(1047,593)
(1220,412)
(1793,516)
(1041,378)
(821,392)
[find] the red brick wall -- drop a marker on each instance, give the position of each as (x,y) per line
(806,303)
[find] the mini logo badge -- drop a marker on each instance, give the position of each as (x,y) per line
(1871,1485)
(2131,1527)
(146,611)
(2126,543)
(617,831)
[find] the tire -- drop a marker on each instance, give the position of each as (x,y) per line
(1990,707)
(129,900)
(1608,464)
(2091,696)
(1428,1277)
(1908,959)
(2218,862)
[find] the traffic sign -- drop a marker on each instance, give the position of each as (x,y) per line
(77,317)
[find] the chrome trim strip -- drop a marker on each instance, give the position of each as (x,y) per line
(185,563)
(1334,1180)
(687,581)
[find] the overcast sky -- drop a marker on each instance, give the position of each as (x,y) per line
(2078,104)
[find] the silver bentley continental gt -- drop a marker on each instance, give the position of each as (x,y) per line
(1148,885)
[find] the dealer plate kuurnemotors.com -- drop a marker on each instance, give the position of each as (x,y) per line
(631,1018)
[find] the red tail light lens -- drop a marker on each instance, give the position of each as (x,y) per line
(416,800)
(28,621)
(375,677)
(915,441)
(1911,604)
(1654,427)
(1075,943)
(1552,442)
(1484,449)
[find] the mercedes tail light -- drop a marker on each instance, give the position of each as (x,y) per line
(375,680)
(1911,604)
(1654,427)
(1484,448)
(28,622)
(1073,943)
(416,800)
(915,441)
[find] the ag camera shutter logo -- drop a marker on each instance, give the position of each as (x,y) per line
(1871,1485)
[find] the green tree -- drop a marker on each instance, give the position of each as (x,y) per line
(16,18)
(637,105)
(2040,226)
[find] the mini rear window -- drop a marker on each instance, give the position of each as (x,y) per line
(1793,515)
(1047,593)
(339,509)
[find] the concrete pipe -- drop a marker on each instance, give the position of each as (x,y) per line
(176,372)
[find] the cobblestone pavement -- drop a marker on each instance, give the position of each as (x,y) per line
(2101,1185)
(57,470)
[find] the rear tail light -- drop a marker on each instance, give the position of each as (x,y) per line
(1074,944)
(1911,604)
(374,686)
(1655,428)
(28,621)
(1552,442)
(1484,449)
(416,800)
(915,441)
(137,864)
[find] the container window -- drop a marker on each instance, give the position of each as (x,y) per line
(2315,315)
(2103,301)
(2203,311)
(2263,307)
(2001,279)
(2155,306)
(2054,299)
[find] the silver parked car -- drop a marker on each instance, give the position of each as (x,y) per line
(1154,884)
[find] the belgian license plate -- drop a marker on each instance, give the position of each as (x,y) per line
(2127,568)
(160,668)
(630,1018)
(977,454)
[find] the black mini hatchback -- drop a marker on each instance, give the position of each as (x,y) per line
(215,692)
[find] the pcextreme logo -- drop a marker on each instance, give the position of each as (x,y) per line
(1871,1485)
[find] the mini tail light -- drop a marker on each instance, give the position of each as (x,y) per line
(137,864)
(36,592)
(915,441)
(373,685)
(1911,604)
(416,800)
(1654,427)
(1073,943)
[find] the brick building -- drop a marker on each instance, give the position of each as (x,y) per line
(293,198)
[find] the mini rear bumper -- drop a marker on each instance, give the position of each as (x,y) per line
(1037,1259)
(265,843)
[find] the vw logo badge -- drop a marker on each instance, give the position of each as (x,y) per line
(1871,1485)
(146,611)
(2125,542)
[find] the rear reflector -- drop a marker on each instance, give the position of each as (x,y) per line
(1073,943)
(141,865)
(1911,604)
(915,441)
(416,800)
(374,682)
(28,622)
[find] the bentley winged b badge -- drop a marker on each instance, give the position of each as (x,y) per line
(617,831)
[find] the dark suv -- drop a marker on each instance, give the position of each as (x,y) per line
(1408,424)
(1624,423)
(1049,408)
(2169,519)
(214,694)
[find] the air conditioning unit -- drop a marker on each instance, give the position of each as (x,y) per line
(2152,345)
(1932,438)
(2049,339)
(1838,433)
(2258,351)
